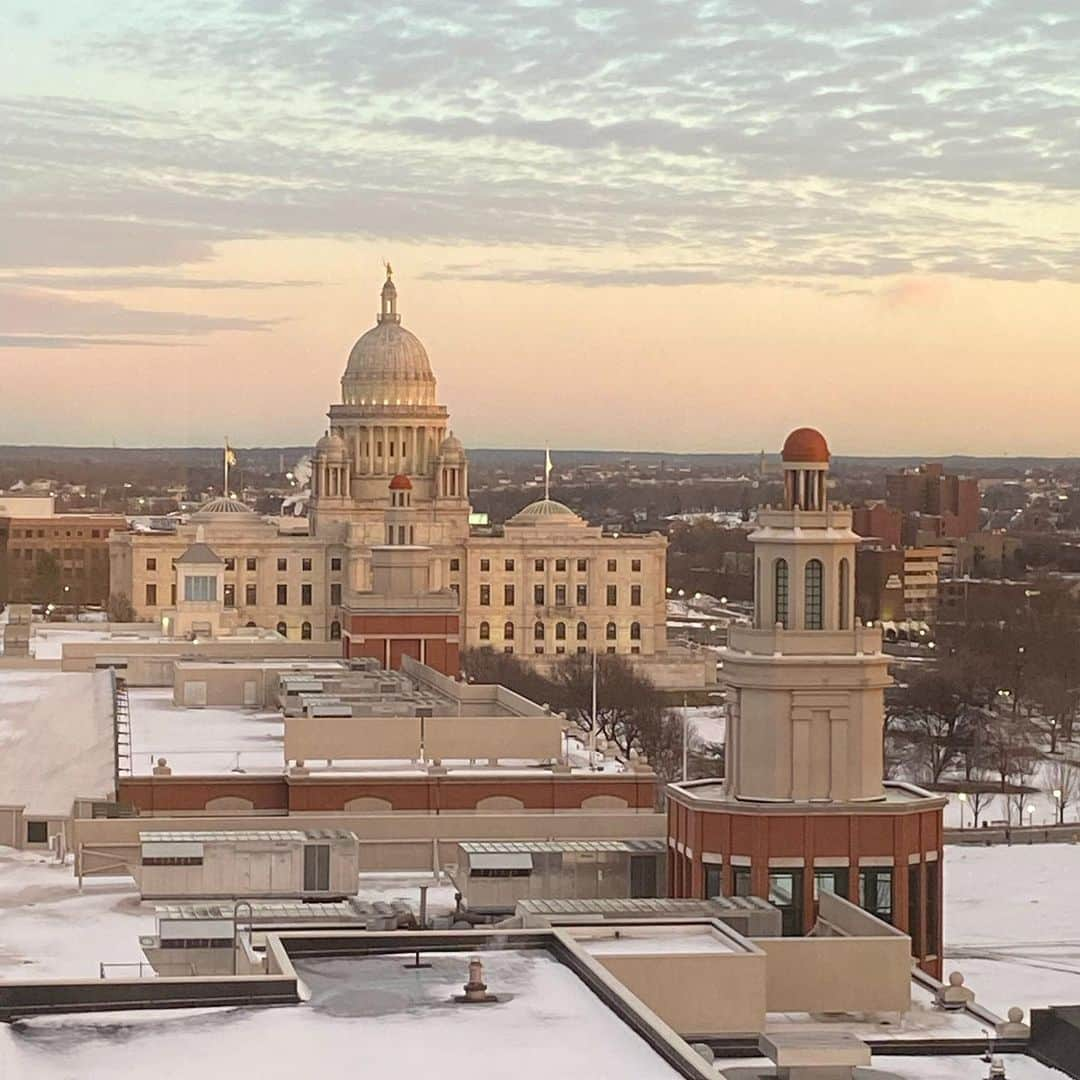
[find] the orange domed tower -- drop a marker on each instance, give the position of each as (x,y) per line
(804,806)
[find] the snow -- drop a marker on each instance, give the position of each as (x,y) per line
(56,739)
(48,930)
(406,887)
(653,941)
(48,644)
(204,740)
(367,1017)
(1010,923)
(709,722)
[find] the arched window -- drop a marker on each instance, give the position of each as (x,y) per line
(485,631)
(305,631)
(635,631)
(335,631)
(508,632)
(538,631)
(582,631)
(560,631)
(610,633)
(282,629)
(813,607)
(251,624)
(845,593)
(389,534)
(780,592)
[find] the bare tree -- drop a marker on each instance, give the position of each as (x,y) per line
(1064,780)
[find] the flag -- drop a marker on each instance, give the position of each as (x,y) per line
(547,472)
(230,454)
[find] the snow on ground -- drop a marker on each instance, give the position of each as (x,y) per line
(1011,923)
(406,887)
(48,930)
(56,738)
(199,741)
(709,722)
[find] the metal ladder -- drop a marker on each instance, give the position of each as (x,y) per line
(121,727)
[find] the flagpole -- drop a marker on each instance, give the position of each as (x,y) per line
(592,728)
(547,472)
(226,466)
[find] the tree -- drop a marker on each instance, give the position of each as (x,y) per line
(928,722)
(1064,780)
(120,608)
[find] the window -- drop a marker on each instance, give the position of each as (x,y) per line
(786,893)
(508,595)
(635,631)
(780,585)
(933,906)
(508,631)
(612,565)
(831,879)
(740,881)
(582,650)
(613,596)
(172,594)
(335,631)
(250,564)
(151,596)
(560,631)
(485,565)
(485,631)
(283,564)
(714,881)
(635,565)
(151,564)
(283,594)
(538,565)
(583,595)
(316,868)
(508,648)
(560,566)
(560,596)
(508,564)
(455,588)
(914,908)
(538,631)
(251,595)
(813,613)
(875,891)
(335,594)
(305,631)
(335,564)
(305,565)
(582,565)
(200,588)
(37,832)
(635,596)
(845,593)
(282,629)
(230,564)
(582,631)
(455,565)
(610,632)
(305,595)
(95,533)
(229,595)
(538,594)
(485,596)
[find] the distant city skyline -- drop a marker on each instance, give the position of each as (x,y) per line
(686,228)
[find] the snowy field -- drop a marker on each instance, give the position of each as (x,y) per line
(197,741)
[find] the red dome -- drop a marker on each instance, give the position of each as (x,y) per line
(401,483)
(806,444)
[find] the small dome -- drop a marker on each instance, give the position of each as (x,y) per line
(544,510)
(806,445)
(331,445)
(222,505)
(451,447)
(401,483)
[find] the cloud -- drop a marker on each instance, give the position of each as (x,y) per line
(108,281)
(69,341)
(769,139)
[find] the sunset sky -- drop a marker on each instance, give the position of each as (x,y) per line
(647,224)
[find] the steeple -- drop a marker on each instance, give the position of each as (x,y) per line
(389,311)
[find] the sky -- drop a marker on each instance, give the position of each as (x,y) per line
(679,225)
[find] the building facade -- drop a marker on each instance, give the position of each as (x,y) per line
(390,474)
(30,530)
(803,807)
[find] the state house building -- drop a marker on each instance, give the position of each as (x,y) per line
(389,564)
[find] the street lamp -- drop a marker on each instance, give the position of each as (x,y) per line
(963,802)
(1030,811)
(1060,806)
